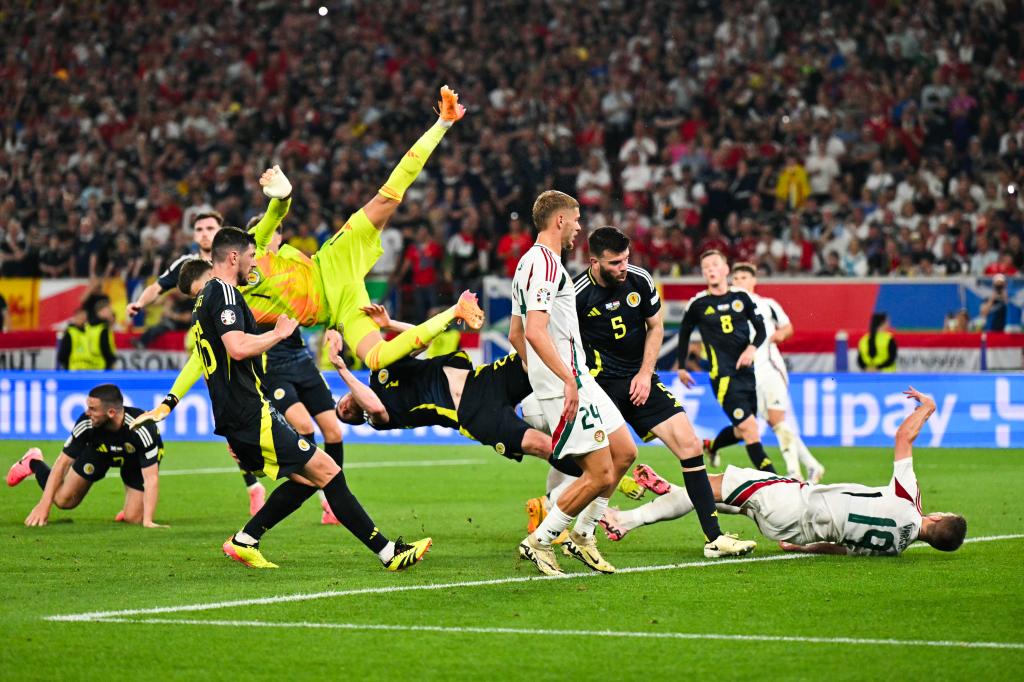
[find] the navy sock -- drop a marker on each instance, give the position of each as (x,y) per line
(41,470)
(336,452)
(249,479)
(352,515)
(759,457)
(698,487)
(567,465)
(724,439)
(284,500)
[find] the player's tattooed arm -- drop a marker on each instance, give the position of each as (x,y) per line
(908,431)
(40,514)
(362,394)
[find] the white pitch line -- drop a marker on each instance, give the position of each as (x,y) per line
(348,465)
(261,601)
(576,633)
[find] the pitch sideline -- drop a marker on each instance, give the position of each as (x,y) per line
(125,614)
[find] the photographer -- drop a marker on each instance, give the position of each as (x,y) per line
(995,308)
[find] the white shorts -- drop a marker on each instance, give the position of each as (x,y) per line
(772,389)
(596,418)
(776,504)
(533,415)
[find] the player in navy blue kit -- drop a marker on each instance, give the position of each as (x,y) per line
(621,322)
(725,316)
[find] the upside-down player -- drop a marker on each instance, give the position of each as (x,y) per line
(264,443)
(101,438)
(841,518)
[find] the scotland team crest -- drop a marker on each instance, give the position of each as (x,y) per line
(633,300)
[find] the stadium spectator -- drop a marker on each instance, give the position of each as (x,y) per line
(421,263)
(513,245)
(995,307)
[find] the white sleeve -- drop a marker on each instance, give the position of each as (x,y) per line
(904,482)
(781,318)
(541,280)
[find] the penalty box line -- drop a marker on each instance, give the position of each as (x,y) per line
(529,632)
(280,599)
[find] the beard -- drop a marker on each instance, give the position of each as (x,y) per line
(242,279)
(609,277)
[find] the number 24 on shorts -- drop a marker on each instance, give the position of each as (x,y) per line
(588,412)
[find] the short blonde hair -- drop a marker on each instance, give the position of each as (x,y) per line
(548,204)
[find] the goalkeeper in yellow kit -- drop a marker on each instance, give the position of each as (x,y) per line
(330,288)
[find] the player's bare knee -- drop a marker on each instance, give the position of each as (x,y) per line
(66,501)
(537,444)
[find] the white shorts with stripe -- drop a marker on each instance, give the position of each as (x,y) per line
(596,418)
(772,388)
(776,504)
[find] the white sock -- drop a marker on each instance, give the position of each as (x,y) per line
(552,526)
(556,492)
(806,458)
(586,522)
(787,444)
(246,539)
(388,553)
(669,506)
(324,504)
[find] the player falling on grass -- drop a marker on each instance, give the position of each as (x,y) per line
(234,366)
(204,228)
(101,439)
(731,331)
(620,318)
(584,424)
(841,518)
(773,400)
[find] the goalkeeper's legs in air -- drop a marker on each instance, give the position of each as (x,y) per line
(347,257)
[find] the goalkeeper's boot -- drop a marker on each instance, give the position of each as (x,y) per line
(536,512)
(449,108)
(728,544)
(629,487)
(257,497)
(612,526)
(406,555)
(714,459)
(22,469)
(542,556)
(649,479)
(585,550)
(248,555)
(468,310)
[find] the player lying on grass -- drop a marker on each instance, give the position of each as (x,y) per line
(101,438)
(842,518)
(263,442)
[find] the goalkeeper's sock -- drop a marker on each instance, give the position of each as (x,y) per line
(724,439)
(759,458)
(420,336)
(699,494)
(408,169)
(284,500)
(41,470)
(347,509)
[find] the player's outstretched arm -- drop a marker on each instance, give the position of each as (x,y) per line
(150,495)
(362,394)
(148,295)
(186,378)
(640,385)
(240,345)
(908,431)
(277,187)
(40,514)
(814,548)
(540,340)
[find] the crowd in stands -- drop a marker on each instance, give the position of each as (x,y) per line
(813,138)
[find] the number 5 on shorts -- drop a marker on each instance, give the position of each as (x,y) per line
(588,412)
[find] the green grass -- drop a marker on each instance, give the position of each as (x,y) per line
(83,562)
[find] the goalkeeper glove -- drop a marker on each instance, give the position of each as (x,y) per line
(278,187)
(157,414)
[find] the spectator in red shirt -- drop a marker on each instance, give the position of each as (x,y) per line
(745,248)
(513,245)
(1003,266)
(715,240)
(422,259)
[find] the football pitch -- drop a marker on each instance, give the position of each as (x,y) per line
(87,598)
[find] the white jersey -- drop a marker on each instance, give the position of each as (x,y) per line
(774,316)
(541,283)
(873,521)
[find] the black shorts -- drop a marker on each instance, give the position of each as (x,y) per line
(93,466)
(278,452)
(737,395)
(487,411)
(298,382)
(661,404)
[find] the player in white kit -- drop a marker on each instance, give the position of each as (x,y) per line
(844,518)
(773,401)
(583,421)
